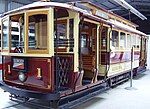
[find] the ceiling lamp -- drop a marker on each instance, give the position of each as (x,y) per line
(124,4)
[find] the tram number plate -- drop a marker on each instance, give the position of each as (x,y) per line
(18,63)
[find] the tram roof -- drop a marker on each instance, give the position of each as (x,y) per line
(74,8)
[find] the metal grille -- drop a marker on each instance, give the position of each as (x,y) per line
(64,67)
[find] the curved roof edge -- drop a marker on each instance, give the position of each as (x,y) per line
(74,8)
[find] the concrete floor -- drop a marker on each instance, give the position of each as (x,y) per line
(116,98)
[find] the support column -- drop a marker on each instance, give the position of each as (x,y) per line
(76,42)
(98,37)
(51,31)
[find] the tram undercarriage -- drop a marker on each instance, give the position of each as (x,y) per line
(65,99)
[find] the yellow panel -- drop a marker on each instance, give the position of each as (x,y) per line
(76,39)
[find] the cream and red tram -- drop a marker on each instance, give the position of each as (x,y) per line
(62,49)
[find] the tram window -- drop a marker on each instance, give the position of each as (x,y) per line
(84,41)
(60,13)
(61,38)
(128,41)
(142,44)
(115,38)
(62,30)
(133,41)
(71,37)
(37,32)
(17,31)
(0,36)
(138,42)
(5,32)
(104,37)
(122,40)
(0,40)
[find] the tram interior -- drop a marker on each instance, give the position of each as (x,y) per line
(88,51)
(88,33)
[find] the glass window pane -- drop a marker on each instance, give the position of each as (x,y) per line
(0,35)
(84,41)
(122,40)
(115,39)
(133,39)
(138,41)
(61,31)
(128,41)
(61,39)
(104,37)
(37,32)
(5,33)
(17,33)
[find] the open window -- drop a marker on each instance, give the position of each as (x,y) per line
(37,35)
(63,38)
(61,34)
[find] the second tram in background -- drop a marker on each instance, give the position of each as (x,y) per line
(66,49)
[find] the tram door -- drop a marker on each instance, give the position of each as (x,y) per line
(88,49)
(104,50)
(143,52)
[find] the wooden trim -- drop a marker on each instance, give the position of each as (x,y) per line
(29,13)
(98,47)
(51,32)
(91,21)
(25,34)
(76,41)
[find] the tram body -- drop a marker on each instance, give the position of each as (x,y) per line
(62,49)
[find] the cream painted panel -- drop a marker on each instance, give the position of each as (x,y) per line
(135,63)
(102,69)
(118,68)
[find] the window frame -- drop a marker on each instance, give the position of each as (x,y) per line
(12,48)
(62,21)
(7,49)
(117,44)
(129,41)
(27,15)
(125,40)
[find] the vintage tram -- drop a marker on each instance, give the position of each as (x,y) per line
(63,49)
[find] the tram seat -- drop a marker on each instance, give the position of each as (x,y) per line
(91,73)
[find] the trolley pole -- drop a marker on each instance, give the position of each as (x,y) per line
(131,72)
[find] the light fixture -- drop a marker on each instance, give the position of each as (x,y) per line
(22,77)
(124,4)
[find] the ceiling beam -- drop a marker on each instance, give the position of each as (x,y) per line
(124,4)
